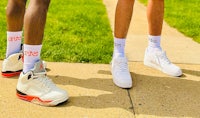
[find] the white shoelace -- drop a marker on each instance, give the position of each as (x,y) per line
(44,80)
(164,58)
(122,66)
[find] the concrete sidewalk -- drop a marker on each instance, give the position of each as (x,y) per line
(93,94)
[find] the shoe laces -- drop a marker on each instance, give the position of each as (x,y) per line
(164,58)
(122,65)
(43,80)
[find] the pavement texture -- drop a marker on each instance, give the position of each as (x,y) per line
(93,94)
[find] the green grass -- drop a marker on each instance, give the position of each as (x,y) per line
(183,15)
(76,31)
(2,29)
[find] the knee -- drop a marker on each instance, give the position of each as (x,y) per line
(15,7)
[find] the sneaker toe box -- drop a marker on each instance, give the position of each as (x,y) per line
(56,96)
(173,70)
(123,80)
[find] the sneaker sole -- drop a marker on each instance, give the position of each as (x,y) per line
(11,74)
(37,100)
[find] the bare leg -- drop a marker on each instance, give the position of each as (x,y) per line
(155,13)
(15,14)
(123,16)
(34,22)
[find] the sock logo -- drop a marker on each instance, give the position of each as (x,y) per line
(15,38)
(152,40)
(117,45)
(31,53)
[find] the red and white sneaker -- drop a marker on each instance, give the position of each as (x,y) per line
(34,86)
(12,66)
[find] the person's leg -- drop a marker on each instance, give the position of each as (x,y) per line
(123,17)
(154,56)
(12,64)
(155,13)
(34,24)
(33,84)
(34,21)
(120,71)
(15,16)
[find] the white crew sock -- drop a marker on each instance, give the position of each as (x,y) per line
(154,43)
(31,56)
(13,43)
(119,45)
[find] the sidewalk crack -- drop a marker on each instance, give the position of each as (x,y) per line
(132,106)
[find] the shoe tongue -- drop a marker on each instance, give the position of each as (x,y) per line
(39,67)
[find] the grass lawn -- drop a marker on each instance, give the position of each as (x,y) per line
(183,15)
(76,31)
(2,29)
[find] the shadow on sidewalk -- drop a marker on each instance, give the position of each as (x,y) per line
(151,95)
(166,96)
(105,93)
(192,72)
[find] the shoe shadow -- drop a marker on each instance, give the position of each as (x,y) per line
(94,93)
(153,94)
(191,72)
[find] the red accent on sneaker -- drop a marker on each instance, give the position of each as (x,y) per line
(22,56)
(31,98)
(41,66)
(8,75)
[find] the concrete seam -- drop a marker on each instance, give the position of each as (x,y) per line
(132,106)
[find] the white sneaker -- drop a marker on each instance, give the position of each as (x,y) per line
(12,66)
(120,72)
(159,60)
(34,86)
